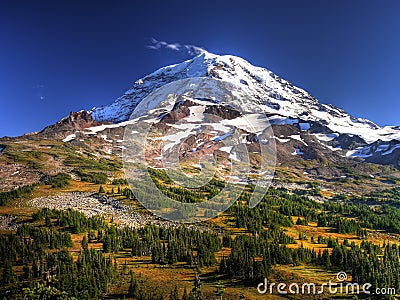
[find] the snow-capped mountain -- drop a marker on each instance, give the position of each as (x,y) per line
(312,139)
(285,103)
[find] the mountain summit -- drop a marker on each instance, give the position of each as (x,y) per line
(271,95)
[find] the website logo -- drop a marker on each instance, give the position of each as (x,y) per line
(340,286)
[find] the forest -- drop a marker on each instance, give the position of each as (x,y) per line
(37,260)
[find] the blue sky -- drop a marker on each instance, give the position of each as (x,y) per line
(62,56)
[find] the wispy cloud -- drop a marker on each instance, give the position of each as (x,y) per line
(160,45)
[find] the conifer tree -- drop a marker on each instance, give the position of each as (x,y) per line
(133,286)
(101,190)
(174,294)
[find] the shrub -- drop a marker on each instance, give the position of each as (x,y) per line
(93,177)
(60,180)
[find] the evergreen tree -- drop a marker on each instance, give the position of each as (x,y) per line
(219,291)
(174,294)
(185,295)
(196,293)
(101,190)
(8,274)
(133,286)
(84,243)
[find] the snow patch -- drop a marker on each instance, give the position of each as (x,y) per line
(298,138)
(282,140)
(196,113)
(234,156)
(361,152)
(279,120)
(199,166)
(226,149)
(381,148)
(391,150)
(326,137)
(104,137)
(95,129)
(337,148)
(69,138)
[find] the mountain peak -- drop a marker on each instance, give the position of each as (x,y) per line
(268,94)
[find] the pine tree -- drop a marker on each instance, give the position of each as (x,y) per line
(185,295)
(8,274)
(196,293)
(174,294)
(91,236)
(219,291)
(242,296)
(47,222)
(133,286)
(85,243)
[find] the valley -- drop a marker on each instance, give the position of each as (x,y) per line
(296,214)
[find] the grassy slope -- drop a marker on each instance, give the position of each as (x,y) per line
(41,156)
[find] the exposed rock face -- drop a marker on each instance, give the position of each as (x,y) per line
(76,121)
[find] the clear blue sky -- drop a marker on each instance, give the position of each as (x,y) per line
(62,56)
